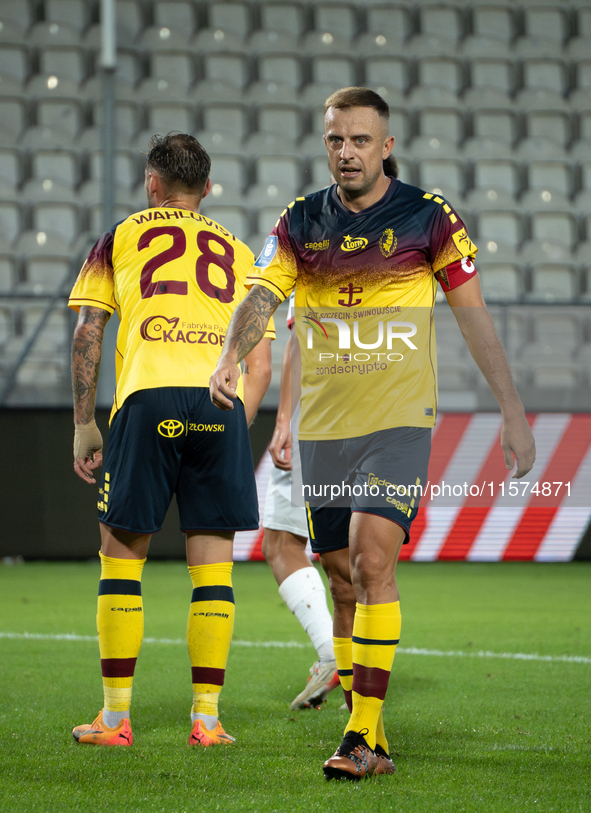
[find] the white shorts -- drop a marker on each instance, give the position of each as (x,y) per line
(280,514)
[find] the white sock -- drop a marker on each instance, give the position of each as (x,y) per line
(208,720)
(304,594)
(112,718)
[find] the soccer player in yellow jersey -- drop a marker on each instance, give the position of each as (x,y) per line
(174,277)
(365,257)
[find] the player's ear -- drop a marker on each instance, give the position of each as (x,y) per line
(388,146)
(207,189)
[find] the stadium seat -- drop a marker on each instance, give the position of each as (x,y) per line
(127,119)
(60,166)
(545,84)
(501,176)
(128,167)
(582,26)
(176,67)
(232,218)
(14,62)
(500,227)
(441,72)
(211,41)
(224,125)
(95,218)
(74,13)
(494,29)
(55,333)
(11,221)
(444,177)
(545,32)
(279,68)
(226,118)
(279,171)
(230,69)
(12,121)
(231,17)
(440,27)
(8,281)
(10,172)
(164,117)
(387,28)
(7,324)
(316,174)
(389,74)
(229,170)
(553,126)
(339,20)
(129,21)
(59,218)
(559,228)
(10,32)
(65,62)
(281,120)
(44,275)
(339,71)
(554,283)
(498,125)
(500,281)
(268,217)
(491,81)
(60,113)
(19,12)
(441,123)
(555,176)
(560,376)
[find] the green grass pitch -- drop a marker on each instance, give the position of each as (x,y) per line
(468,732)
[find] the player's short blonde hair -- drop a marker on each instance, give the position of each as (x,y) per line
(358,97)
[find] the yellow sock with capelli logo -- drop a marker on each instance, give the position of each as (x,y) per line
(209,633)
(120,625)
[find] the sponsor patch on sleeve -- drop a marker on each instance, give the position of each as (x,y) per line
(268,252)
(463,243)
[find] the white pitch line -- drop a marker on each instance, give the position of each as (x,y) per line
(436,653)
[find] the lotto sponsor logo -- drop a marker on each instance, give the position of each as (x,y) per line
(353,243)
(162,329)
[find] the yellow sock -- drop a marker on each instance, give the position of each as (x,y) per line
(343,653)
(376,631)
(209,633)
(120,625)
(381,738)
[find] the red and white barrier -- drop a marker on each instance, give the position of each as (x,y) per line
(504,521)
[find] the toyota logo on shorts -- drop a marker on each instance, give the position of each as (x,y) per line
(171,428)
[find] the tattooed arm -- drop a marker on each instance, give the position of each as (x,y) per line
(86,362)
(246,329)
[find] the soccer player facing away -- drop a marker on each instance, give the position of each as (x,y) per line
(365,256)
(286,531)
(174,277)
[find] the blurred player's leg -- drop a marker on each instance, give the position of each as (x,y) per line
(120,624)
(300,584)
(209,632)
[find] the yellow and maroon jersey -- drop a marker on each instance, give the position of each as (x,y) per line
(365,285)
(175,278)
